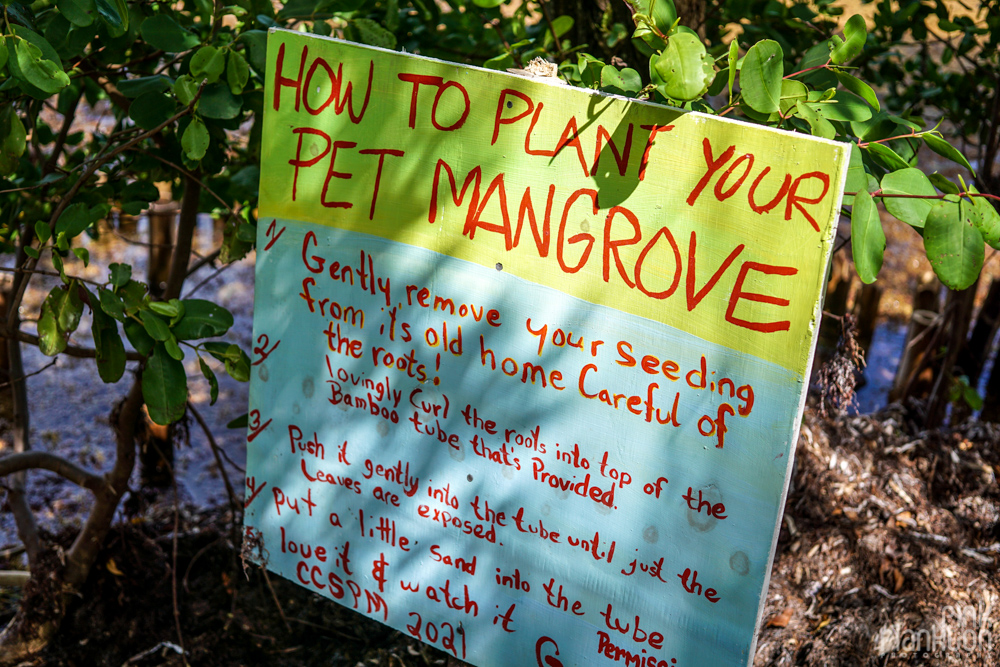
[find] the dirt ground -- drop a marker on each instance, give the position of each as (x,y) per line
(887,556)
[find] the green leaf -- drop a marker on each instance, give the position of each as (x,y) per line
(867,237)
(372,33)
(240,422)
(161,31)
(157,329)
(222,351)
(944,149)
(164,387)
(908,181)
(43,231)
(14,140)
(137,336)
(171,309)
(760,76)
(611,78)
(50,341)
(256,47)
(734,54)
(195,139)
(237,72)
(857,177)
(133,88)
(173,349)
(150,110)
(986,219)
(202,319)
(887,156)
(819,126)
(108,345)
(846,107)
(855,34)
(78,12)
(685,68)
(140,190)
(859,88)
(213,382)
(972,398)
(218,101)
(792,92)
(75,219)
(239,370)
(120,273)
(31,252)
(133,294)
(954,247)
(500,63)
(488,4)
(943,184)
(114,13)
(83,255)
(44,74)
(185,88)
(208,63)
(111,304)
(661,13)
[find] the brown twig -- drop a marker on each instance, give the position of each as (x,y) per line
(274,595)
(206,280)
(552,29)
(189,174)
(233,502)
(70,351)
(32,374)
(54,274)
(495,24)
(207,259)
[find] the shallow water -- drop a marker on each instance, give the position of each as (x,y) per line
(70,405)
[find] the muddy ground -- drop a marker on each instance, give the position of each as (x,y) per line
(887,556)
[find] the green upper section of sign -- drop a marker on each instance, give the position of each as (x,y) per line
(715,227)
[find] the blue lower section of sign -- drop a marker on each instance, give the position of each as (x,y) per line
(505,472)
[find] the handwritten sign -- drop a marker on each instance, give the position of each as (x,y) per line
(530,360)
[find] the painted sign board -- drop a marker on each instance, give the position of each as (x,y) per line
(530,360)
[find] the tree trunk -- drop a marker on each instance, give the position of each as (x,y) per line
(161,222)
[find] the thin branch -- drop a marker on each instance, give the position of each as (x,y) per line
(68,118)
(54,274)
(207,259)
(552,28)
(206,280)
(274,596)
(808,69)
(233,503)
(48,461)
(495,24)
(25,377)
(879,193)
(189,174)
(911,134)
(71,350)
